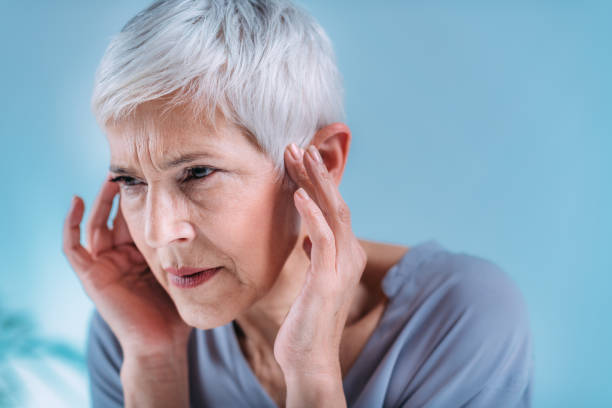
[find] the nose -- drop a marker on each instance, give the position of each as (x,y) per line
(166,220)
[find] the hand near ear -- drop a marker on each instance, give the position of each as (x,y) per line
(309,338)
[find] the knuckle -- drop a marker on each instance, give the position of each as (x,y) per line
(302,174)
(327,176)
(324,238)
(344,213)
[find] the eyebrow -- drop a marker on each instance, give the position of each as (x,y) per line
(184,159)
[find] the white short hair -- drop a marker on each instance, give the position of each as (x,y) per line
(267,65)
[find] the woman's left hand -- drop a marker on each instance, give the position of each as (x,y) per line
(308,342)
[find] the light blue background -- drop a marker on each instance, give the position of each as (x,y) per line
(485,126)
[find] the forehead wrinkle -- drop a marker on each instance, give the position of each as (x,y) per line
(163,137)
(152,140)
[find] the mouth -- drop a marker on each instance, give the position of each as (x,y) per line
(186,278)
(185,270)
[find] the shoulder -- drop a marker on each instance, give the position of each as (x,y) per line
(470,321)
(468,283)
(485,291)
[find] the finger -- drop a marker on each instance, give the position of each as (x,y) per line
(314,176)
(78,256)
(121,233)
(296,170)
(328,197)
(98,234)
(323,247)
(351,258)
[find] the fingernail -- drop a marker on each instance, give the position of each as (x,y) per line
(314,153)
(302,193)
(294,151)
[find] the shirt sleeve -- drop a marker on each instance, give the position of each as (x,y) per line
(104,359)
(483,356)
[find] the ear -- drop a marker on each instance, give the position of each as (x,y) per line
(333,142)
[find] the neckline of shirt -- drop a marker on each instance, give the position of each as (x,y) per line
(410,261)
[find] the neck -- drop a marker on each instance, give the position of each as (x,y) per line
(262,321)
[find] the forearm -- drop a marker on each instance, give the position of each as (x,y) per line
(155,381)
(315,391)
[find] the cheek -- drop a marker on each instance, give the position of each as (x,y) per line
(135,223)
(262,229)
(254,228)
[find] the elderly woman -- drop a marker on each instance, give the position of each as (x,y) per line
(230,276)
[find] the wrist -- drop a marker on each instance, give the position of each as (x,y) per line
(158,380)
(155,382)
(164,365)
(310,389)
(143,350)
(322,371)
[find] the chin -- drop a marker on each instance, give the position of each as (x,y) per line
(203,317)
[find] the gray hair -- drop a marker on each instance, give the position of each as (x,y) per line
(265,64)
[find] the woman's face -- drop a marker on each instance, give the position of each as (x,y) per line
(222,208)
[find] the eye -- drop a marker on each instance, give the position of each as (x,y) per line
(125,180)
(199,172)
(193,173)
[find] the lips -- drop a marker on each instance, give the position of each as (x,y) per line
(190,280)
(187,270)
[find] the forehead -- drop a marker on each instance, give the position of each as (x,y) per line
(149,126)
(163,135)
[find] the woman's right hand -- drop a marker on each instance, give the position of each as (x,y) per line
(117,278)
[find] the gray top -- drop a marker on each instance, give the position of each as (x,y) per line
(455,332)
